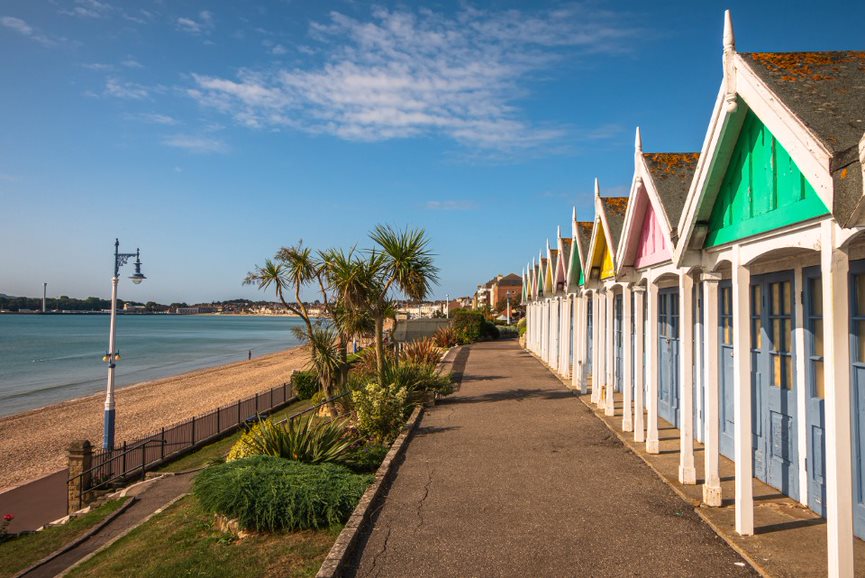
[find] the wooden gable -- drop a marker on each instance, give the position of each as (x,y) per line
(762,188)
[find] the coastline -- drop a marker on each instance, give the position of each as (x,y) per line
(33,443)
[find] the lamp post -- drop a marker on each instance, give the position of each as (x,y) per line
(120,259)
(447,306)
(509,307)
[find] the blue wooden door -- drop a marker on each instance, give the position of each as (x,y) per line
(618,335)
(587,366)
(815,410)
(725,368)
(668,355)
(773,382)
(857,358)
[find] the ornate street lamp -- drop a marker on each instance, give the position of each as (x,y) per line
(113,355)
(509,307)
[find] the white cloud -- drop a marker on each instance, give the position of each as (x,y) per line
(203,23)
(24,29)
(132,63)
(89,9)
(128,90)
(196,144)
(154,118)
(405,74)
(450,205)
(98,66)
(279,50)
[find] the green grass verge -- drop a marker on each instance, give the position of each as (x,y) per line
(182,541)
(21,552)
(219,449)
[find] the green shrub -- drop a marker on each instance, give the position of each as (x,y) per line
(380,411)
(419,377)
(306,438)
(470,326)
(521,326)
(445,337)
(305,384)
(367,458)
(508,331)
(265,493)
(421,351)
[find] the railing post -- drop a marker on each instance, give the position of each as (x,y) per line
(256,404)
(193,430)
(271,398)
(162,445)
(80,460)
(218,425)
(238,412)
(143,459)
(124,457)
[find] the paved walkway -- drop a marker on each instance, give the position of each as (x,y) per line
(150,497)
(513,476)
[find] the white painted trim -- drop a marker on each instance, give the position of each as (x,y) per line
(801,382)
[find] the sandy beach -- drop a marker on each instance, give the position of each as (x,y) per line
(33,443)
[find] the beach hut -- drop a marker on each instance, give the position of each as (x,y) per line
(773,220)
(664,300)
(582,235)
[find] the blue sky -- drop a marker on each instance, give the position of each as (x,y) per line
(210,134)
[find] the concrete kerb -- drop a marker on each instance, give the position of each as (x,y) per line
(79,540)
(334,564)
(688,500)
(123,534)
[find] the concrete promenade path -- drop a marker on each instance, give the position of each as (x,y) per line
(513,476)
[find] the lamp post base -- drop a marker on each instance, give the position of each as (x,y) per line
(108,430)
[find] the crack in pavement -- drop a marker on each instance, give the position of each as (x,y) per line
(420,504)
(383,551)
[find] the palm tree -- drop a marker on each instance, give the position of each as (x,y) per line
(403,262)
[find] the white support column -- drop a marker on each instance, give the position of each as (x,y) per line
(700,383)
(639,357)
(712,484)
(687,471)
(742,403)
(801,387)
(596,345)
(545,322)
(602,347)
(565,341)
(552,350)
(652,443)
(579,331)
(627,353)
(609,405)
(835,267)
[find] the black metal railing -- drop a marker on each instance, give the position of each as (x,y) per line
(133,459)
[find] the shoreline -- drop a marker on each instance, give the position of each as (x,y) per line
(33,442)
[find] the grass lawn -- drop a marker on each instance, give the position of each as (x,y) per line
(183,542)
(219,449)
(17,554)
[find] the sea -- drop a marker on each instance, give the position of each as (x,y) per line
(46,359)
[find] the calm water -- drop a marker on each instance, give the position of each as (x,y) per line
(50,358)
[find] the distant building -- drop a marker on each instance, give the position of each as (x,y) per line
(494,293)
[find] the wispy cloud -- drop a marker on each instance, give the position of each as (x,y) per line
(416,73)
(21,27)
(153,118)
(450,205)
(196,143)
(128,90)
(131,63)
(89,9)
(203,23)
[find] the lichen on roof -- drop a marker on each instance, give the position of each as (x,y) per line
(796,66)
(616,204)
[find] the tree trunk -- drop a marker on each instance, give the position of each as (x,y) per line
(379,349)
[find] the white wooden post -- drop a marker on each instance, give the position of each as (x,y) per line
(801,387)
(699,348)
(712,484)
(742,403)
(602,347)
(627,353)
(596,346)
(552,350)
(609,405)
(652,443)
(545,323)
(579,331)
(639,359)
(687,471)
(835,268)
(565,338)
